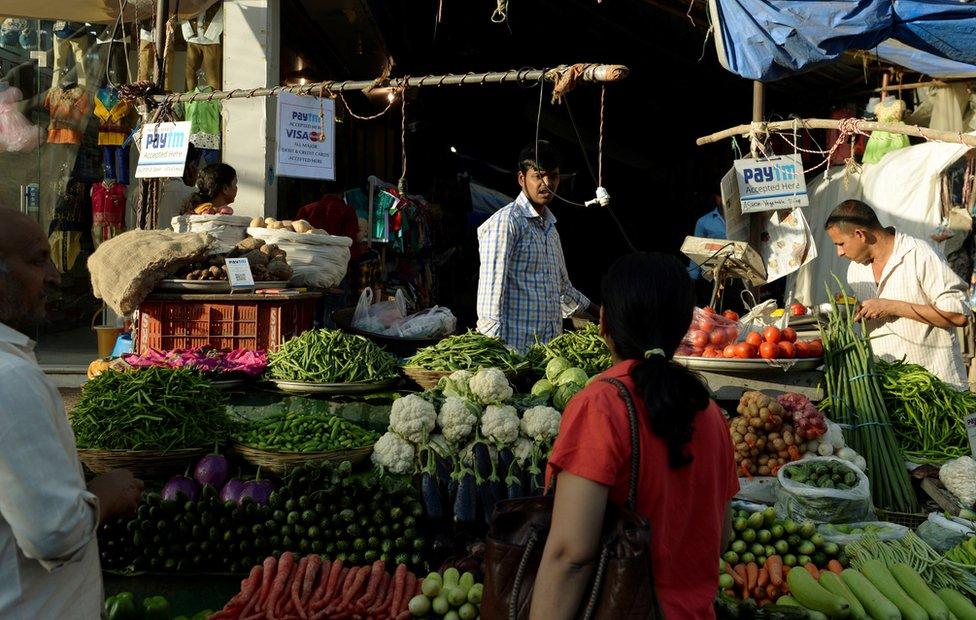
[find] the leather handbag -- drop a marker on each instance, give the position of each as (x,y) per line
(622,585)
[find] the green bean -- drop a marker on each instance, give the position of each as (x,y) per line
(305,432)
(468,351)
(583,349)
(330,356)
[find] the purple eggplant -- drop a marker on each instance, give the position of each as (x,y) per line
(231,490)
(258,491)
(178,485)
(212,469)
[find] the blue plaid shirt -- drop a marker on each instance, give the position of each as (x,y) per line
(523,286)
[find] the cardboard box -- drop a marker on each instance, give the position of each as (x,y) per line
(741,260)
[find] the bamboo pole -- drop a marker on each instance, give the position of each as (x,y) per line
(822,123)
(591,73)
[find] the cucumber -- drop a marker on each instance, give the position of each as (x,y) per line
(451,577)
(878,574)
(789,601)
(810,595)
(958,604)
(833,583)
(915,587)
(870,597)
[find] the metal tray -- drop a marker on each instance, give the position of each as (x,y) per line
(211,286)
(301,387)
(228,384)
(716,364)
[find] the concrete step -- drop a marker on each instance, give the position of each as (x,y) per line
(66,376)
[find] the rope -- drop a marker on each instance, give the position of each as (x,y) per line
(603,116)
(402,183)
(566,80)
(500,15)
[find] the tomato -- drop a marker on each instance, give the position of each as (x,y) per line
(744,350)
(787,350)
(816,348)
(768,350)
(788,334)
(731,315)
(798,309)
(718,338)
(729,351)
(755,339)
(732,333)
(698,339)
(711,351)
(706,324)
(708,310)
(772,334)
(802,349)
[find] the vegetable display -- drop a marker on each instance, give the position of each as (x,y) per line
(330,356)
(583,348)
(156,409)
(929,415)
(206,359)
(758,536)
(304,432)
(467,351)
(854,398)
(560,383)
(824,475)
(447,595)
(936,571)
(313,586)
(267,261)
(959,477)
(714,335)
(762,439)
(123,606)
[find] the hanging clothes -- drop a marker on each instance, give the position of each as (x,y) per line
(204,119)
(203,48)
(67,226)
(68,109)
(115,124)
(17,134)
(881,143)
(108,211)
(949,105)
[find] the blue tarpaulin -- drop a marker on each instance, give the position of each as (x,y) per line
(771,39)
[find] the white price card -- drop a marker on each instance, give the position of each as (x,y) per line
(239,273)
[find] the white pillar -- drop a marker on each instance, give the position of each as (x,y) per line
(251,59)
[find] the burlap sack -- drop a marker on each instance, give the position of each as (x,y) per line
(125,269)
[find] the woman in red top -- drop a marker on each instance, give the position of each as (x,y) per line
(687,470)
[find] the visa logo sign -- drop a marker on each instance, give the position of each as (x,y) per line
(769,174)
(301,134)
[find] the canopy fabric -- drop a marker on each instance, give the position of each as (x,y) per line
(95,11)
(771,39)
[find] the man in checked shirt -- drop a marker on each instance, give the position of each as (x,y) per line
(524,290)
(910,297)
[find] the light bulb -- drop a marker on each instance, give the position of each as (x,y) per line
(454,150)
(390,96)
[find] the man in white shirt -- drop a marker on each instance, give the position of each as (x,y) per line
(48,517)
(910,297)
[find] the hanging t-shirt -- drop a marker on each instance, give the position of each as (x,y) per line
(68,108)
(115,117)
(108,211)
(204,119)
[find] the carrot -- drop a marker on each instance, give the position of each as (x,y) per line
(752,575)
(357,583)
(794,453)
(738,574)
(270,567)
(345,581)
(835,567)
(298,579)
(772,592)
(380,597)
(399,581)
(405,615)
(375,577)
(328,587)
(388,599)
(308,586)
(285,565)
(763,577)
(745,471)
(814,572)
(775,565)
(320,585)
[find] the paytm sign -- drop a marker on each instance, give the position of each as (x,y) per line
(771,184)
(306,137)
(162,150)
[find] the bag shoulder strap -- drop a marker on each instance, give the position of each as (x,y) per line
(634,438)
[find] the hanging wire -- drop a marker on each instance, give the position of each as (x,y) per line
(402,183)
(603,117)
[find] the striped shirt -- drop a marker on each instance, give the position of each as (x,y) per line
(523,286)
(917,274)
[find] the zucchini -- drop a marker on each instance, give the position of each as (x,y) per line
(810,595)
(878,574)
(789,601)
(915,587)
(833,583)
(958,604)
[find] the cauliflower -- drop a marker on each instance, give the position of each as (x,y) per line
(490,387)
(541,423)
(500,423)
(456,384)
(458,418)
(413,418)
(959,476)
(523,450)
(394,454)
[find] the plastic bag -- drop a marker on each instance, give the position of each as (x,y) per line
(708,335)
(882,529)
(942,534)
(802,502)
(759,489)
(379,318)
(437,321)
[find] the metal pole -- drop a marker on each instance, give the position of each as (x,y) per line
(162,13)
(593,73)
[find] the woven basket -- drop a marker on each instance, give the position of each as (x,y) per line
(281,462)
(142,463)
(908,519)
(428,379)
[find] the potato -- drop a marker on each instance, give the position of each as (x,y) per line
(249,244)
(269,248)
(257,222)
(268,220)
(301,226)
(256,257)
(287,224)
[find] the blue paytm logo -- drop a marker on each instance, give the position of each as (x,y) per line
(768,174)
(165,139)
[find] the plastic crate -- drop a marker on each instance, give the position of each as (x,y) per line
(246,324)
